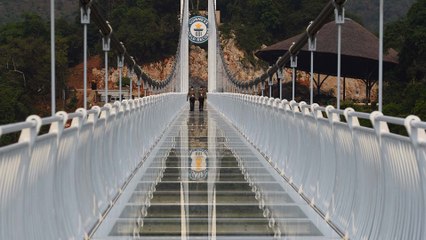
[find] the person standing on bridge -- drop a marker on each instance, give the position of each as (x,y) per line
(191,97)
(201,97)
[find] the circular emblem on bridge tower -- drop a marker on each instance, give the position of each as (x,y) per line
(198,26)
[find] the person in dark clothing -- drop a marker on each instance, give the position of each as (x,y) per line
(191,97)
(201,97)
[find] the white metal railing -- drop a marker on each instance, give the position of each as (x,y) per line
(57,185)
(368,182)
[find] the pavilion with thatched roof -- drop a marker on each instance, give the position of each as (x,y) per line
(360,53)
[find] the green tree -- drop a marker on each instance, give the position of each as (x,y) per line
(257,22)
(405,89)
(149,29)
(25,67)
(413,51)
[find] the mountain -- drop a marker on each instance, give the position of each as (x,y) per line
(368,11)
(13,10)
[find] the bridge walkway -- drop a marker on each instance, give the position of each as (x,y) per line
(203,180)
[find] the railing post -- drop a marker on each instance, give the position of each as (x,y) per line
(29,134)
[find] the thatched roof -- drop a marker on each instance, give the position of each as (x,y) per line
(360,52)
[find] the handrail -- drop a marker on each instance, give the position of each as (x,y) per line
(16,127)
(71,176)
(363,180)
(389,119)
(359,115)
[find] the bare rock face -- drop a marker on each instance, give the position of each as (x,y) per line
(237,62)
(235,59)
(198,64)
(159,70)
(242,69)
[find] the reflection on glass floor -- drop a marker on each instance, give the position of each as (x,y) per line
(204,181)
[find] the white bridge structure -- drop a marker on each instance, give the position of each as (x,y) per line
(314,172)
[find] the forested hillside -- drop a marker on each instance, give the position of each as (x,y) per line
(262,22)
(405,90)
(12,10)
(368,11)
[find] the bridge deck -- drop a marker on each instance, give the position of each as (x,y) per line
(233,194)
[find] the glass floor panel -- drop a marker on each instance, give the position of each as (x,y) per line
(204,181)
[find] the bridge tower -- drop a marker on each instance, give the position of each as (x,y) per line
(184,47)
(212,86)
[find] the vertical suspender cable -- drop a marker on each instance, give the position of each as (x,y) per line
(132,72)
(293,65)
(131,85)
(311,84)
(312,45)
(293,83)
(139,88)
(120,65)
(106,46)
(52,53)
(212,48)
(381,58)
(85,66)
(120,75)
(339,59)
(85,20)
(339,12)
(280,77)
(106,76)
